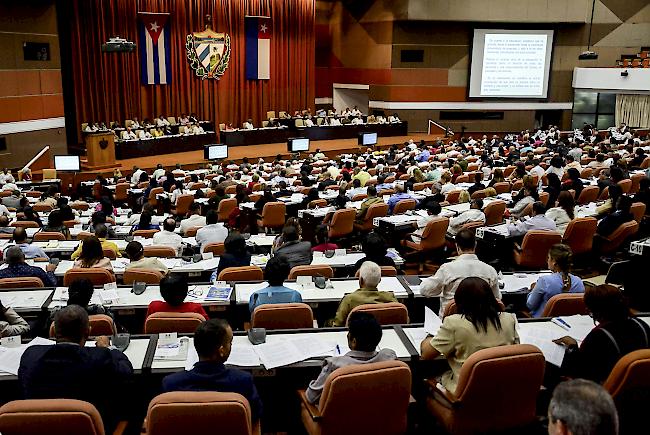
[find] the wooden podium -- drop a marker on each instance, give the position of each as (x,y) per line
(100,149)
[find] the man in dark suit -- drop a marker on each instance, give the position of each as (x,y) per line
(71,370)
(213,341)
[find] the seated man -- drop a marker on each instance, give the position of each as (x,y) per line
(400,194)
(174,289)
(4,225)
(433,210)
(135,252)
(370,200)
(71,370)
(363,337)
(212,232)
(16,267)
(167,237)
(276,272)
(213,342)
(474,214)
(538,221)
(193,219)
(369,278)
(248,125)
(101,232)
(29,250)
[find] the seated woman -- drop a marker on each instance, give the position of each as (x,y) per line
(560,281)
(92,255)
(612,221)
(144,223)
(135,252)
(530,196)
(235,254)
(553,188)
(276,272)
(322,240)
(11,323)
(374,246)
(28,214)
(55,224)
(573,182)
(293,248)
(173,289)
(617,334)
(479,324)
(563,213)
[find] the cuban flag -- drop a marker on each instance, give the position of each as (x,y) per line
(155,49)
(258,47)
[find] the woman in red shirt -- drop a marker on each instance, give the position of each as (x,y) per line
(173,289)
(322,240)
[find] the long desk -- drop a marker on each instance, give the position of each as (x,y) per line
(256,136)
(350,131)
(162,145)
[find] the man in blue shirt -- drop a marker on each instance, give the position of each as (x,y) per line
(30,251)
(213,342)
(399,195)
(423,156)
(277,270)
(16,267)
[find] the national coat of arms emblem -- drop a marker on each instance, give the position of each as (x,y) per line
(208,52)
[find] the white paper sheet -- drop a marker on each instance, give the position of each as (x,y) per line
(432,322)
(579,326)
(243,356)
(278,354)
(10,357)
(542,337)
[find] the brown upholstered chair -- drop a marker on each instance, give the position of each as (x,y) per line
(515,371)
(604,194)
(354,396)
(588,194)
(282,316)
(225,207)
(625,185)
(273,215)
(636,181)
(122,192)
(97,276)
(385,271)
(342,223)
(612,242)
(637,209)
(147,276)
(579,234)
(308,270)
(163,322)
(83,235)
(453,197)
(387,313)
(109,253)
(200,412)
(433,236)
(502,187)
(452,309)
(317,203)
(404,205)
(544,197)
(153,199)
(183,204)
(375,210)
(494,212)
(217,248)
(191,232)
(21,282)
(100,324)
(24,224)
(586,173)
(565,304)
(147,234)
(159,251)
(42,207)
(534,248)
(241,273)
(50,416)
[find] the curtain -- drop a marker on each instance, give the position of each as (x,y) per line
(107,86)
(633,110)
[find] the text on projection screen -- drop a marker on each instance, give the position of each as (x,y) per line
(513,64)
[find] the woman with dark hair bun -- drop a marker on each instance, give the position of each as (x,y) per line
(478,324)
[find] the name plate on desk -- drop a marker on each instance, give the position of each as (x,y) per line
(480,232)
(637,248)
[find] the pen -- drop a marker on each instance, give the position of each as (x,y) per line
(563,323)
(338,350)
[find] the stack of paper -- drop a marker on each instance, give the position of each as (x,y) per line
(432,322)
(10,356)
(284,352)
(577,327)
(540,336)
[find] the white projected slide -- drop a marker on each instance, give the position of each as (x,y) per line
(511,64)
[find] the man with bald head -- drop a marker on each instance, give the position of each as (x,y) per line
(29,250)
(71,370)
(16,267)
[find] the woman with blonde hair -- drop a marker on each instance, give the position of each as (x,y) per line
(464,196)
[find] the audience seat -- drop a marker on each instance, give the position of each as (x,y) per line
(534,249)
(21,282)
(24,224)
(361,399)
(404,205)
(216,248)
(638,211)
(452,197)
(242,273)
(163,322)
(433,236)
(122,192)
(225,207)
(84,234)
(42,207)
(147,234)
(579,234)
(159,251)
(451,308)
(375,210)
(147,276)
(308,270)
(588,194)
(625,185)
(628,382)
(611,243)
(199,412)
(604,194)
(109,253)
(100,324)
(494,212)
(183,204)
(273,216)
(491,380)
(97,276)
(283,316)
(153,199)
(342,223)
(387,313)
(191,232)
(502,187)
(51,417)
(565,304)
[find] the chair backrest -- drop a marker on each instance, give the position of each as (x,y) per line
(604,194)
(514,371)
(377,389)
(387,313)
(270,114)
(163,322)
(282,316)
(619,236)
(191,232)
(97,276)
(637,209)
(199,412)
(342,223)
(317,203)
(50,416)
(565,304)
(625,185)
(43,236)
(544,197)
(494,212)
(217,248)
(404,205)
(147,234)
(636,181)
(375,210)
(153,200)
(631,372)
(25,224)
(433,236)
(502,187)
(274,214)
(109,253)
(241,273)
(121,191)
(453,196)
(147,276)
(231,190)
(225,207)
(452,309)
(100,324)
(183,204)
(42,207)
(308,270)
(588,194)
(579,234)
(21,282)
(159,251)
(535,247)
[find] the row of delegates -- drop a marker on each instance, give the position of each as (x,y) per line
(18,268)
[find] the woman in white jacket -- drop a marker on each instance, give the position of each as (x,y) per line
(564,212)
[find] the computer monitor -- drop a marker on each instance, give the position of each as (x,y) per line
(67,163)
(367,139)
(215,152)
(298,144)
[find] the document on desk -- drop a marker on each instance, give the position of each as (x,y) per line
(311,346)
(542,337)
(242,355)
(416,335)
(10,357)
(432,322)
(576,326)
(278,353)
